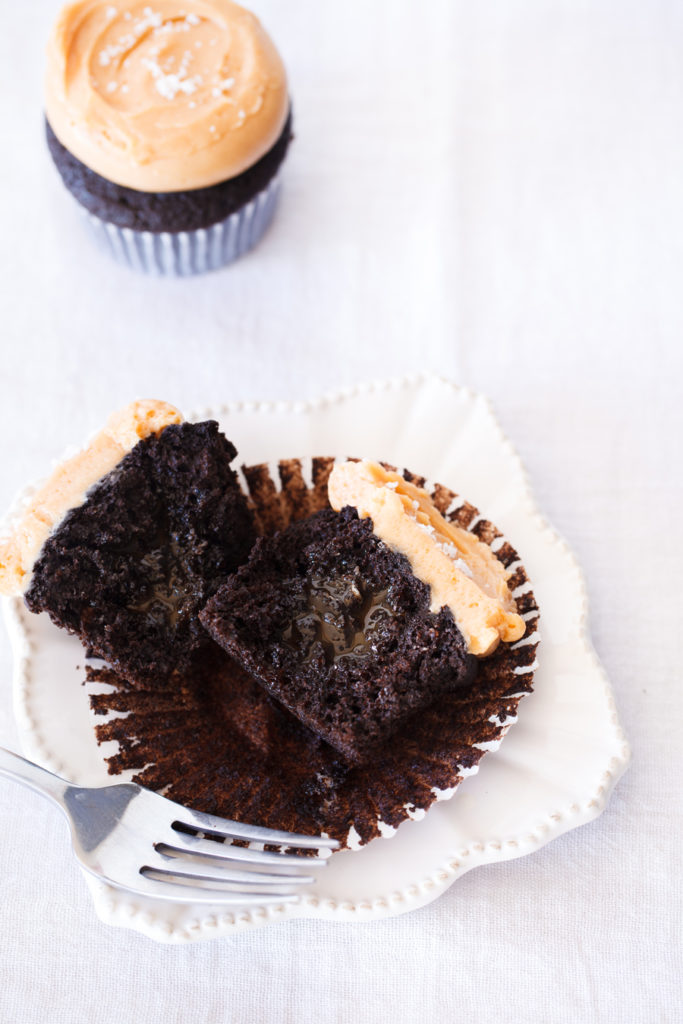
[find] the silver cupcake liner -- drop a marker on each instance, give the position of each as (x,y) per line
(183,253)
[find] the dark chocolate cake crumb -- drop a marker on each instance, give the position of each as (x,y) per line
(129,569)
(165,211)
(336,627)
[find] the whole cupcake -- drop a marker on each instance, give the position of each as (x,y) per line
(168,123)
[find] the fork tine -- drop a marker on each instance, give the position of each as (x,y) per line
(178,892)
(225,881)
(203,871)
(250,833)
(185,843)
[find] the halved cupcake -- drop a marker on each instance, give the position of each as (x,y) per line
(127,540)
(359,617)
(338,629)
(354,693)
(320,613)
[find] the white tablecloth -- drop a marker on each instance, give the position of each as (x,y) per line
(493,192)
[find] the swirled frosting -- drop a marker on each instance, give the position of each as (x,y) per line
(164,96)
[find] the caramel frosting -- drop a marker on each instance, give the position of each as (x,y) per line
(462,572)
(69,483)
(164,96)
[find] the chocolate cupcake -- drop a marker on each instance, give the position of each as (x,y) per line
(168,125)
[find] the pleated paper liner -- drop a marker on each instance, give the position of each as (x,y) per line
(184,253)
(217,742)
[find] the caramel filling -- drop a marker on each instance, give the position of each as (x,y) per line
(343,616)
(166,593)
(462,572)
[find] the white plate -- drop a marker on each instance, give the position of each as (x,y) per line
(556,766)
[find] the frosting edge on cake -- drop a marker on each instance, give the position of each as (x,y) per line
(69,483)
(462,572)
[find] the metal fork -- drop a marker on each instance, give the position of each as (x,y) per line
(139,841)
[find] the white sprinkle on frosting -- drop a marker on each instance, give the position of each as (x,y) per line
(150,20)
(170,84)
(223,86)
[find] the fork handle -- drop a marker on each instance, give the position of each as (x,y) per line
(29,774)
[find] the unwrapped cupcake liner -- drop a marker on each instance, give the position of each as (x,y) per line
(184,253)
(278,772)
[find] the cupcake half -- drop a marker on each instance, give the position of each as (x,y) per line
(168,124)
(337,628)
(129,538)
(362,616)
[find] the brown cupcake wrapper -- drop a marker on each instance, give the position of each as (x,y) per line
(217,742)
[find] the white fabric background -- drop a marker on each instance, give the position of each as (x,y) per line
(492,191)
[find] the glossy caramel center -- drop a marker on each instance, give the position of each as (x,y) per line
(343,615)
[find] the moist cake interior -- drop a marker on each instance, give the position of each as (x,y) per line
(336,627)
(128,570)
